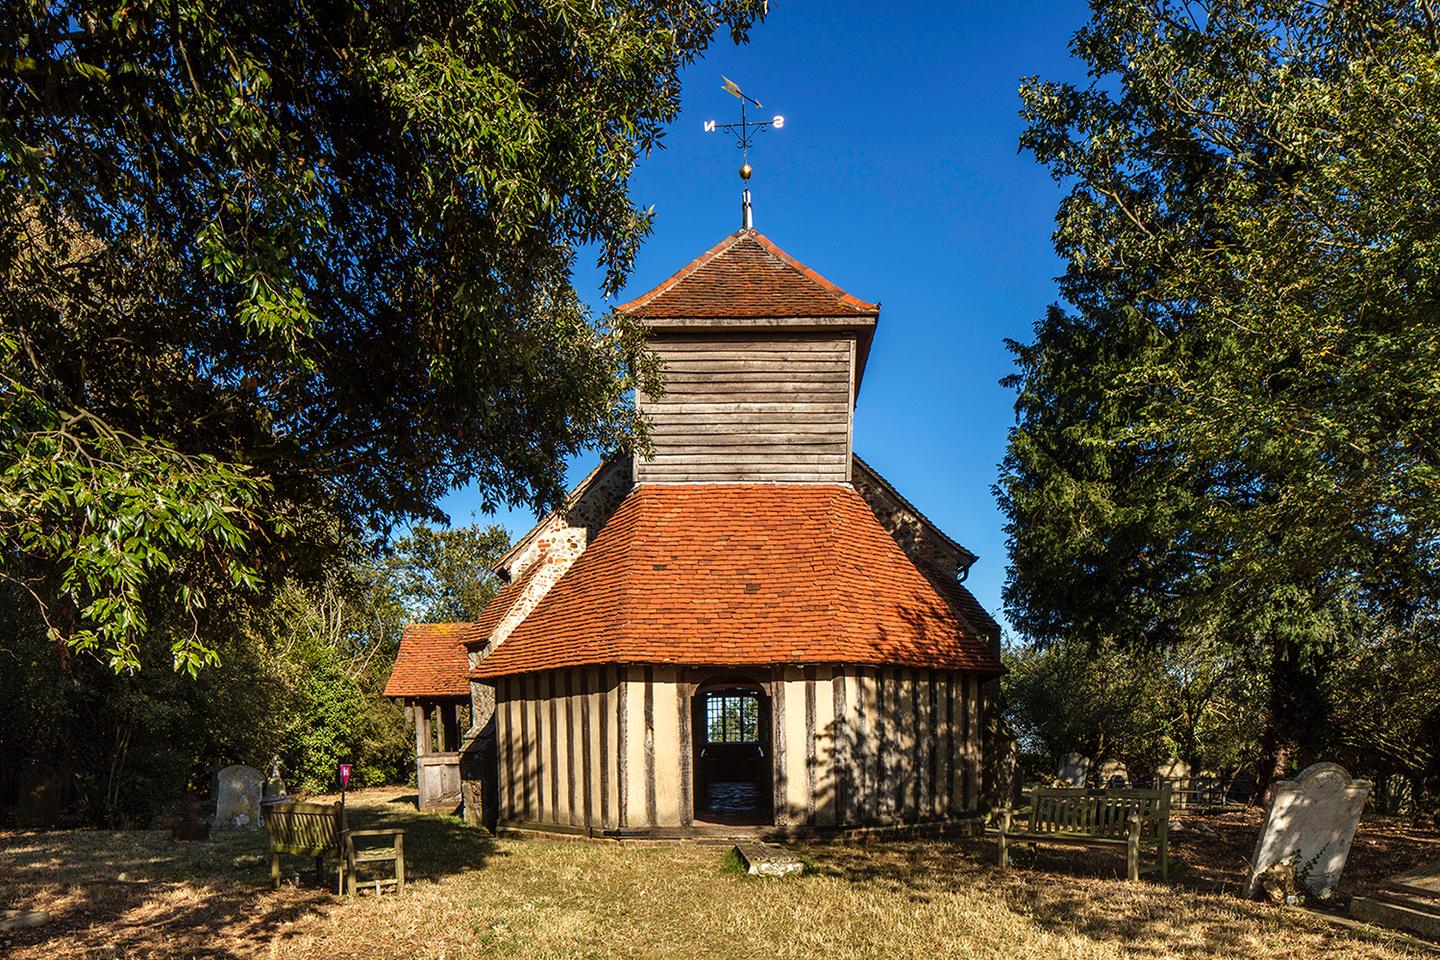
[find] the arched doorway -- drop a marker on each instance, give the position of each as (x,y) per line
(733,775)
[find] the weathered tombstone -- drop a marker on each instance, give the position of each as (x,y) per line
(768,860)
(237,797)
(190,824)
(22,919)
(1177,774)
(41,795)
(1074,770)
(1114,774)
(274,783)
(1310,824)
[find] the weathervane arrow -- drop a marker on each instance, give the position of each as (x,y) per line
(744,134)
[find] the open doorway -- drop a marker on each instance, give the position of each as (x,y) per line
(733,779)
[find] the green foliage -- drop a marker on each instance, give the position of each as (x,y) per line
(1225,435)
(276,275)
(299,677)
(446,575)
(1141,707)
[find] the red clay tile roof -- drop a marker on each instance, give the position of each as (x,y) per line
(501,603)
(964,601)
(742,574)
(432,661)
(747,276)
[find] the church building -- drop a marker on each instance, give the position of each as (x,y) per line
(747,629)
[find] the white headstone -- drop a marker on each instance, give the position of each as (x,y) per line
(1310,823)
(1074,770)
(1114,774)
(237,797)
(1177,774)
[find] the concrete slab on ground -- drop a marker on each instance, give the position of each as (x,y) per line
(1408,901)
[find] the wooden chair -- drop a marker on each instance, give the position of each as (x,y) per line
(1133,819)
(319,830)
(393,854)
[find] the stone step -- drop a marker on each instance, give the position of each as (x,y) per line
(1398,913)
(768,860)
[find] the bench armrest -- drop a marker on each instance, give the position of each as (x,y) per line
(1009,814)
(375,833)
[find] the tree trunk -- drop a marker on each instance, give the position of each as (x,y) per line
(1296,714)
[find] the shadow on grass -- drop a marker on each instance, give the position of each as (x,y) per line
(141,894)
(436,845)
(1073,891)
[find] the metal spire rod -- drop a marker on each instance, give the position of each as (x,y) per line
(744,134)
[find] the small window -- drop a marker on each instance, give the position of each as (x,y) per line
(732,717)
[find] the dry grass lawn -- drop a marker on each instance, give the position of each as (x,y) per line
(140,894)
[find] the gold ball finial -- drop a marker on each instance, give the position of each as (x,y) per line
(745,171)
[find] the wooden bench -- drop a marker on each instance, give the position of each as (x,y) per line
(1135,820)
(319,830)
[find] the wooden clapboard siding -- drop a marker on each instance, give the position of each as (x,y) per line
(748,407)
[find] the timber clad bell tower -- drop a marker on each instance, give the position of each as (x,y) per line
(748,631)
(762,361)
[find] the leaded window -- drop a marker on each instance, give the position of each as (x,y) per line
(732,717)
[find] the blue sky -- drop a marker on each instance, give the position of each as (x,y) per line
(897,177)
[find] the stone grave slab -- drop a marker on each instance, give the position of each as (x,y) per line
(1310,823)
(237,797)
(22,919)
(1408,901)
(768,860)
(1177,774)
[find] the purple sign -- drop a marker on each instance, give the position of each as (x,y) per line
(344,775)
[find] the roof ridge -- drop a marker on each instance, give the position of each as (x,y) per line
(919,514)
(809,273)
(828,289)
(665,285)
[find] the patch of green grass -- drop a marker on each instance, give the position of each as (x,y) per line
(732,865)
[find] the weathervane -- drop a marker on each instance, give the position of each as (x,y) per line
(744,134)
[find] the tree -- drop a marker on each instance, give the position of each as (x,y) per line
(300,677)
(1226,433)
(1143,707)
(446,575)
(276,274)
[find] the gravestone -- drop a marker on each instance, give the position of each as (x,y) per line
(41,795)
(274,789)
(1177,774)
(1310,824)
(1113,773)
(237,797)
(1074,770)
